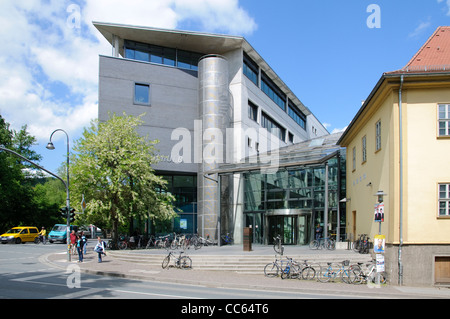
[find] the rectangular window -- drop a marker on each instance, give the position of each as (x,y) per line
(250,69)
(444,200)
(272,91)
(297,115)
(252,111)
(378,136)
(444,119)
(364,149)
(354,159)
(141,94)
(273,127)
(161,55)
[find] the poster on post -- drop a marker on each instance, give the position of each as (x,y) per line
(378,244)
(379,212)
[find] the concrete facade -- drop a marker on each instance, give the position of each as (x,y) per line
(174,112)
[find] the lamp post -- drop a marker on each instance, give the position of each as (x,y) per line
(50,146)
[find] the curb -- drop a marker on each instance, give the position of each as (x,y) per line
(327,289)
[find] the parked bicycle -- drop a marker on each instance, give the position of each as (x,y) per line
(369,274)
(274,268)
(181,262)
(362,244)
(333,270)
(320,243)
(308,271)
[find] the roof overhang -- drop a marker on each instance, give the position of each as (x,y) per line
(206,43)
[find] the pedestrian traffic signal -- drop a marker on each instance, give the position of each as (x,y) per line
(72,215)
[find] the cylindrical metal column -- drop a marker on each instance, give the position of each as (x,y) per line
(214,110)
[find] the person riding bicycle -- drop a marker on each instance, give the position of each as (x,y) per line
(42,234)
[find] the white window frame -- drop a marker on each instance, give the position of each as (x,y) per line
(445,120)
(378,136)
(444,199)
(364,149)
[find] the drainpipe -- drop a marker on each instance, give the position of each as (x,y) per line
(400,262)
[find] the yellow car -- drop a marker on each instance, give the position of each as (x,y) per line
(19,235)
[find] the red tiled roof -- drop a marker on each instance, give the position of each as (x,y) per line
(433,56)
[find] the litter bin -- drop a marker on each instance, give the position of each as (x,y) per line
(247,239)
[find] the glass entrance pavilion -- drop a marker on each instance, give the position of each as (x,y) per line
(303,192)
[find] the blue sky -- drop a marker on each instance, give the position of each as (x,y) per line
(323,50)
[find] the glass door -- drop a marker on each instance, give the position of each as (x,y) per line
(285,226)
(255,222)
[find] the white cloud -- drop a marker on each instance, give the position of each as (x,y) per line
(51,62)
(447,2)
(423,26)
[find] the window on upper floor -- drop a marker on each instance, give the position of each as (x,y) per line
(364,149)
(378,136)
(161,55)
(297,115)
(250,69)
(141,94)
(273,127)
(444,200)
(354,159)
(444,119)
(252,111)
(272,91)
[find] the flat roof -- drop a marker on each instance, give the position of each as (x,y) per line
(310,152)
(207,43)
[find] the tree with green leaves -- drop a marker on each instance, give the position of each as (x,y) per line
(22,202)
(112,167)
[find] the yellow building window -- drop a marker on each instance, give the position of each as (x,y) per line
(444,200)
(378,136)
(444,119)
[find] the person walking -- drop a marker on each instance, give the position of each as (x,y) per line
(84,239)
(73,241)
(100,249)
(79,248)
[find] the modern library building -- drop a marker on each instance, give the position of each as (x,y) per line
(236,145)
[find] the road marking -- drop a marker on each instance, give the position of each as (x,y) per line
(79,293)
(31,278)
(152,294)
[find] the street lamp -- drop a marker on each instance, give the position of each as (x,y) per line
(50,146)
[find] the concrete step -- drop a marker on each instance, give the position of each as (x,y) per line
(238,263)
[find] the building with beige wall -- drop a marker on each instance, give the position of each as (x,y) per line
(399,143)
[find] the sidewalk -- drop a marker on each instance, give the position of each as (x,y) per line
(112,266)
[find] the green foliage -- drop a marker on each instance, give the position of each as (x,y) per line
(112,167)
(22,201)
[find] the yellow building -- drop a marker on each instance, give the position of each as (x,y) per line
(399,143)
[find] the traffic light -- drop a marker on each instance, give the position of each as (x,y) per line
(72,215)
(63,211)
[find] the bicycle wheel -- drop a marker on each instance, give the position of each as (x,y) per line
(356,244)
(166,262)
(325,274)
(349,275)
(122,245)
(331,244)
(271,270)
(308,273)
(185,262)
(314,244)
(356,269)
